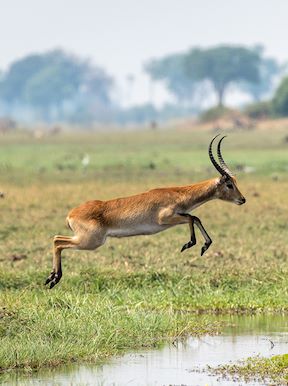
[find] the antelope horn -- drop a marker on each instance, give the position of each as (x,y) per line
(221,160)
(212,159)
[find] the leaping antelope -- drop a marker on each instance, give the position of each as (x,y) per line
(145,214)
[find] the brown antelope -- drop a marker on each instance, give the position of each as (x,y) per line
(145,214)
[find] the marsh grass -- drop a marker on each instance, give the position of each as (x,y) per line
(273,370)
(134,292)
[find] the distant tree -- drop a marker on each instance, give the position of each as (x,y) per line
(223,66)
(13,82)
(171,70)
(269,69)
(280,100)
(199,71)
(47,82)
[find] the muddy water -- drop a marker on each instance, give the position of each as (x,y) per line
(177,363)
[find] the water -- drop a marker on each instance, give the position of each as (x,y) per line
(177,363)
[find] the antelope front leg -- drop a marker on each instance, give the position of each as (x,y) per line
(207,238)
(168,217)
(192,241)
(195,220)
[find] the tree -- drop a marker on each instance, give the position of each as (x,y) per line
(223,66)
(171,70)
(268,71)
(13,82)
(280,100)
(200,71)
(48,82)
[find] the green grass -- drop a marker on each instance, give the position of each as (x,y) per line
(40,329)
(273,370)
(163,153)
(134,292)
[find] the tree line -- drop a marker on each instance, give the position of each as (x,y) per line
(60,86)
(199,72)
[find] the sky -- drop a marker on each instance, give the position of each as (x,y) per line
(122,35)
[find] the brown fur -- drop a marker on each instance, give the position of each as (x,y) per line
(142,214)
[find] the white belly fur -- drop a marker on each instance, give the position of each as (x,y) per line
(137,230)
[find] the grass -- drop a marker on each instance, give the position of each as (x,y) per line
(273,369)
(60,327)
(134,292)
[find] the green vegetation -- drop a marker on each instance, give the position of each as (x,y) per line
(46,329)
(280,101)
(138,291)
(215,113)
(278,106)
(259,110)
(56,86)
(273,369)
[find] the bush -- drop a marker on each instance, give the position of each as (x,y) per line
(259,110)
(280,100)
(216,113)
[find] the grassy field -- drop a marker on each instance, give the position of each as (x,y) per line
(138,291)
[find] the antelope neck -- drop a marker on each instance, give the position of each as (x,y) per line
(202,192)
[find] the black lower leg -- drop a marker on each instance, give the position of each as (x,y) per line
(207,238)
(50,277)
(55,279)
(192,241)
(56,273)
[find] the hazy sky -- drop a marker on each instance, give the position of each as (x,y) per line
(121,35)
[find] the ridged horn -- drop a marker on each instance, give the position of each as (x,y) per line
(221,160)
(212,159)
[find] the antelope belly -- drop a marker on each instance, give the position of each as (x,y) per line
(137,230)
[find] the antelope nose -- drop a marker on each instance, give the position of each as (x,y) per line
(243,200)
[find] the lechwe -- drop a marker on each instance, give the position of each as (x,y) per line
(145,214)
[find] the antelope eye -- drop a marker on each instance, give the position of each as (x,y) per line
(229,185)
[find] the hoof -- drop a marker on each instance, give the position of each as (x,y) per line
(53,279)
(187,245)
(205,247)
(50,278)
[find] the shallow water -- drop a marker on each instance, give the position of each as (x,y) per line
(177,363)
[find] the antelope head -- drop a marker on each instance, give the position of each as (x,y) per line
(227,189)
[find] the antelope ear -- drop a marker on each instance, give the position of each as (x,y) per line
(225,178)
(221,180)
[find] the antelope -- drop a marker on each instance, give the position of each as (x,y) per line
(145,214)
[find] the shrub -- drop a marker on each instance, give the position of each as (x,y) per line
(259,110)
(215,113)
(280,100)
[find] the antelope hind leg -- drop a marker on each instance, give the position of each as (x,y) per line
(86,241)
(60,243)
